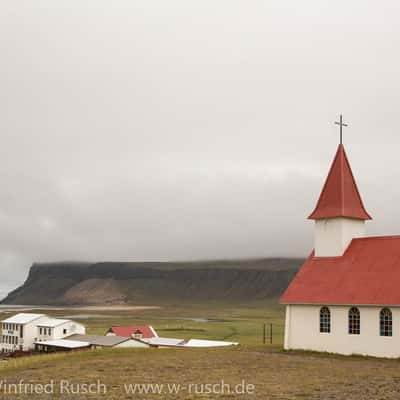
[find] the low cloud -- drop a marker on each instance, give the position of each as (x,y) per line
(145,131)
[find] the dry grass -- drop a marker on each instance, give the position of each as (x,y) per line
(275,374)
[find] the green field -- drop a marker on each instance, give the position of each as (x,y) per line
(241,323)
(262,371)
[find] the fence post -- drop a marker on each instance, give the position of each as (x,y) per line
(270,333)
(264,332)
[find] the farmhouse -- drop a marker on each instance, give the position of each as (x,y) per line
(21,331)
(345,298)
(28,331)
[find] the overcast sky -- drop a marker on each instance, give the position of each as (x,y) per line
(174,130)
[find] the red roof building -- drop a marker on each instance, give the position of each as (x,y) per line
(145,331)
(346,297)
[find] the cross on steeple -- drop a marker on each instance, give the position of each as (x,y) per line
(341,124)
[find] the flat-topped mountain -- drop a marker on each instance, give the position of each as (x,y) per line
(72,283)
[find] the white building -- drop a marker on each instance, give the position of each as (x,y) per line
(54,329)
(345,298)
(19,331)
(22,330)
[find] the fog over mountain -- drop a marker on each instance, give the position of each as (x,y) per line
(181,130)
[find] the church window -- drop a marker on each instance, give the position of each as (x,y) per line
(385,319)
(354,321)
(324,320)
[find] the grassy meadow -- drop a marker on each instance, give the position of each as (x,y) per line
(266,371)
(215,321)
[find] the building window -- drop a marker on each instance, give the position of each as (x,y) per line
(385,322)
(354,321)
(324,320)
(137,334)
(64,331)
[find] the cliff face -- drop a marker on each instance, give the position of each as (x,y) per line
(150,283)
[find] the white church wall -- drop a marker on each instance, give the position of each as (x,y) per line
(302,331)
(332,236)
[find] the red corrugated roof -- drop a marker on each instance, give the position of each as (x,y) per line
(367,273)
(340,196)
(127,331)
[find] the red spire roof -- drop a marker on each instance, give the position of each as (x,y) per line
(340,196)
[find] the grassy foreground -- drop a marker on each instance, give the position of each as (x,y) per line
(251,371)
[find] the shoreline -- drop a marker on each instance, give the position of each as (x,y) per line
(16,307)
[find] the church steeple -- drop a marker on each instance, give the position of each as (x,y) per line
(340,196)
(339,214)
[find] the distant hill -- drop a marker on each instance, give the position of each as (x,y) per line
(151,282)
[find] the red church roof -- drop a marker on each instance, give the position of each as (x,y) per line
(340,196)
(367,273)
(127,331)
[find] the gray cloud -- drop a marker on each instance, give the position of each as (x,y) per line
(153,130)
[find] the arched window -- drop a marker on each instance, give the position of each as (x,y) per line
(385,322)
(324,320)
(354,321)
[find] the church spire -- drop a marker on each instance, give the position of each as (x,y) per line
(340,196)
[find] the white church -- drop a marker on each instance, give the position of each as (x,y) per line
(346,297)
